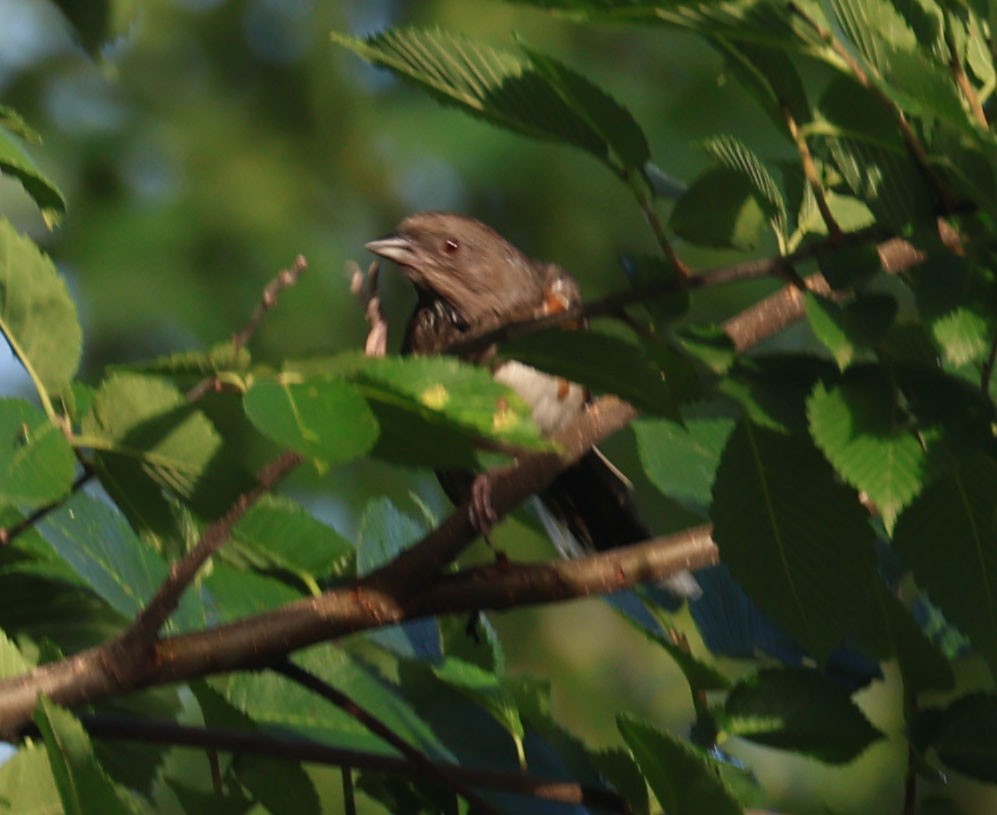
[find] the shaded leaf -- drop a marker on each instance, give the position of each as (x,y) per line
(850,265)
(97,22)
(383,534)
(147,419)
(681,459)
(271,699)
(862,138)
(683,780)
(801,711)
(96,541)
(949,539)
(848,328)
(796,539)
(600,361)
(736,156)
(722,209)
(965,735)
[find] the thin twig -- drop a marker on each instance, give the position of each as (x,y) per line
(365,286)
(320,687)
(9,533)
(146,626)
(780,266)
(294,748)
(959,73)
(987,372)
(810,172)
(285,279)
(948,199)
(646,204)
(349,791)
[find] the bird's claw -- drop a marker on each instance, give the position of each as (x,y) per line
(481,513)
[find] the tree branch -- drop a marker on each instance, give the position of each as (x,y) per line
(255,642)
(292,748)
(318,686)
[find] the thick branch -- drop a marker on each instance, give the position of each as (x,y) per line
(255,642)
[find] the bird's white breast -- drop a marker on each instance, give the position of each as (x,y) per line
(553,400)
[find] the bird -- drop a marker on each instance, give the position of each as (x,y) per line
(468,280)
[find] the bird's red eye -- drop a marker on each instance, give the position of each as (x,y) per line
(450,246)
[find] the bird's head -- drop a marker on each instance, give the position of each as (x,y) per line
(463,261)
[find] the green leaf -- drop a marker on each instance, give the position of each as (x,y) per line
(220,358)
(383,534)
(734,155)
(850,266)
(681,459)
(325,419)
(27,785)
(486,689)
(96,541)
(961,575)
(770,76)
(533,95)
(796,539)
(97,22)
(872,25)
(619,768)
(12,661)
(282,787)
(285,536)
(433,410)
(864,142)
(16,162)
(36,461)
(964,335)
(965,736)
(36,314)
(955,297)
(84,787)
(922,664)
(683,780)
(848,328)
(865,433)
(721,209)
(798,710)
(270,698)
(146,431)
(600,361)
(772,390)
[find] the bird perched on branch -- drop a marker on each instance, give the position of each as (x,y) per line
(469,280)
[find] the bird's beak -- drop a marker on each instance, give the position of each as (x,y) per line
(394,247)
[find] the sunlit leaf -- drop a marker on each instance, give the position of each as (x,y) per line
(37,315)
(36,461)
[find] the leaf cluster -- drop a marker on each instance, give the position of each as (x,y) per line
(848,477)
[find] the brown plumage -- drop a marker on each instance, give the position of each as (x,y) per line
(470,279)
